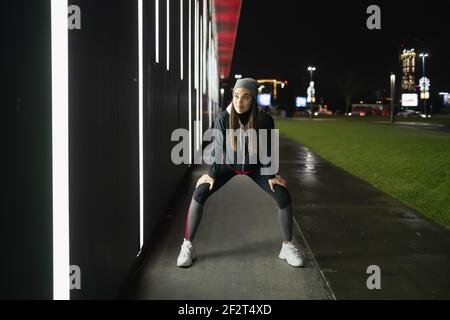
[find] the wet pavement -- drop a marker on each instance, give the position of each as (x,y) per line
(350,225)
(237,245)
(342,224)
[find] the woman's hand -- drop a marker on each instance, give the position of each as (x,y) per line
(205,179)
(277,180)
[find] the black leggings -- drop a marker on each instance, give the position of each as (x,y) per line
(223,175)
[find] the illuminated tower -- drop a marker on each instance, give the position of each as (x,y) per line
(408,66)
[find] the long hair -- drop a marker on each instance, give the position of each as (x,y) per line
(233,124)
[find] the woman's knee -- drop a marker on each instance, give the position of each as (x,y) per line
(201,193)
(282,196)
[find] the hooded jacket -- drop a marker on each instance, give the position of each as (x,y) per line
(265,121)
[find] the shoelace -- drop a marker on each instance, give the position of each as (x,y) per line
(185,251)
(292,250)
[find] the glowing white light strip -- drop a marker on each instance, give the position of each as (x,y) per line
(168,34)
(181,41)
(190,80)
(196,44)
(60,149)
(157,31)
(196,76)
(204,43)
(210,101)
(141,121)
(200,76)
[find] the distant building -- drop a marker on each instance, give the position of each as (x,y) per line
(408,70)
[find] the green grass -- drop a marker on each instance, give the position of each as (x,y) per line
(411,165)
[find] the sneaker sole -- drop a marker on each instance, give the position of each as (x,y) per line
(187,265)
(293,265)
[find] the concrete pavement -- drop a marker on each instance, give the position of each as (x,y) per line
(351,225)
(342,224)
(237,247)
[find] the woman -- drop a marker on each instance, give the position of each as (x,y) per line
(243,114)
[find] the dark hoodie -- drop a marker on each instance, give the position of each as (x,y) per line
(265,121)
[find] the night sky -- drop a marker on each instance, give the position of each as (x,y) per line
(280,39)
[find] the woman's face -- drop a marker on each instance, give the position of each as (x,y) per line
(242,100)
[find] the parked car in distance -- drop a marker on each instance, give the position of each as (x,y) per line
(360,111)
(408,113)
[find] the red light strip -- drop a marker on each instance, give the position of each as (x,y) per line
(226,17)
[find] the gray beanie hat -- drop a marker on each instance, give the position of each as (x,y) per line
(247,83)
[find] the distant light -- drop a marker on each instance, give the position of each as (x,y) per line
(238,76)
(409,100)
(264,99)
(361,102)
(222,91)
(282,85)
(300,102)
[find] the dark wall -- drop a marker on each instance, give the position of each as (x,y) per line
(103,141)
(104,145)
(166,109)
(25,151)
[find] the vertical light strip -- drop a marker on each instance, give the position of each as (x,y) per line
(204,42)
(60,149)
(157,31)
(190,80)
(168,34)
(196,44)
(196,67)
(181,41)
(210,98)
(141,120)
(200,79)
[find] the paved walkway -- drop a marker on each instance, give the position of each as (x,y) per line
(350,225)
(342,224)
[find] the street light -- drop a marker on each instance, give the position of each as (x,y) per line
(392,96)
(310,90)
(238,76)
(423,56)
(311,70)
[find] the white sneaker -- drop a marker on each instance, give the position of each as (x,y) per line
(290,253)
(187,254)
